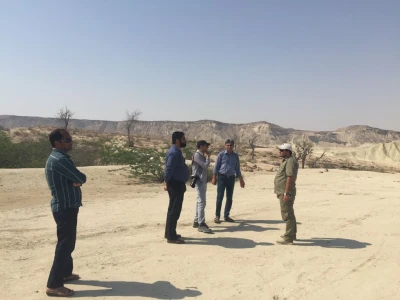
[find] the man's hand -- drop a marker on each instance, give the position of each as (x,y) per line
(76,184)
(165,186)
(214,180)
(208,153)
(242,183)
(286,198)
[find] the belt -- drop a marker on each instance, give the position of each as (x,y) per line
(227,176)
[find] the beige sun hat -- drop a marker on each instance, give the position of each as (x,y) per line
(285,146)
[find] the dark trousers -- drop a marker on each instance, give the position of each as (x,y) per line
(66,221)
(228,184)
(176,191)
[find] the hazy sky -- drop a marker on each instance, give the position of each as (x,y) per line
(320,64)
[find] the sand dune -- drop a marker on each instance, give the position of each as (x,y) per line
(349,243)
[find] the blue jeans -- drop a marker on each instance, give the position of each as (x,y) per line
(228,183)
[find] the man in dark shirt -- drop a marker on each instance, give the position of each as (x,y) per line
(64,181)
(176,175)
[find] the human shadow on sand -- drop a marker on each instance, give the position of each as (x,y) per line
(226,242)
(241,226)
(156,290)
(260,221)
(264,221)
(338,243)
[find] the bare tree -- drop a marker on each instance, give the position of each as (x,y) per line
(130,119)
(252,141)
(64,115)
(317,159)
(304,148)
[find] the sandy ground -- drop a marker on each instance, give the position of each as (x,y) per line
(349,247)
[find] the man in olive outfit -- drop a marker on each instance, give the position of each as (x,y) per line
(64,181)
(285,190)
(175,176)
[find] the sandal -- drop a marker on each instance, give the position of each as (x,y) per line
(59,292)
(72,277)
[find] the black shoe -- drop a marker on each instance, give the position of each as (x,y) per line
(195,224)
(176,241)
(204,228)
(285,242)
(227,219)
(178,236)
(294,239)
(216,220)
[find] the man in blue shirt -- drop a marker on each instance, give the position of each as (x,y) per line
(176,175)
(64,181)
(226,167)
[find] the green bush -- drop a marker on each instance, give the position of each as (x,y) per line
(26,154)
(89,152)
(31,153)
(145,164)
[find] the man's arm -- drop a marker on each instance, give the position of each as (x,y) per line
(290,169)
(170,166)
(217,166)
(237,168)
(289,183)
(67,169)
(197,159)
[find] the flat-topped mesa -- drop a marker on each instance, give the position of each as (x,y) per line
(267,133)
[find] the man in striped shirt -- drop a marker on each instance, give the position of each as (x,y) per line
(64,181)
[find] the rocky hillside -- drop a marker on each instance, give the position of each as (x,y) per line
(215,131)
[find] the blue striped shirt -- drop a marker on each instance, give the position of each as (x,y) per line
(61,173)
(227,164)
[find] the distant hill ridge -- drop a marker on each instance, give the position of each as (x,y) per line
(267,133)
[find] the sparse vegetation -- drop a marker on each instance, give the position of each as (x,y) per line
(25,147)
(29,154)
(252,141)
(304,148)
(314,163)
(276,297)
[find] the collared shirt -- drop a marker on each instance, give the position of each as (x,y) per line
(175,166)
(61,173)
(227,164)
(288,168)
(200,166)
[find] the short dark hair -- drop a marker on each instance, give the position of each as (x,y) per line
(56,135)
(230,141)
(202,143)
(177,135)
